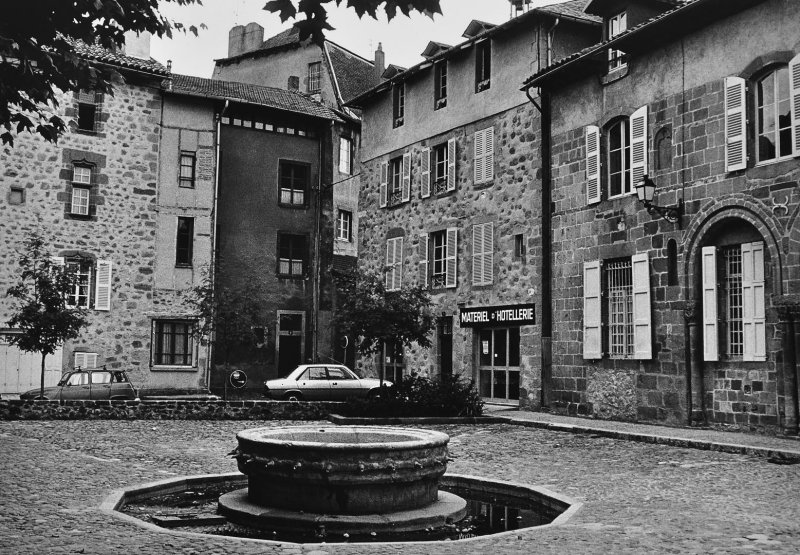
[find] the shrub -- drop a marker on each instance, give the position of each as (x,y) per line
(417,395)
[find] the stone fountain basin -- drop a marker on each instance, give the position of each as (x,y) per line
(343,470)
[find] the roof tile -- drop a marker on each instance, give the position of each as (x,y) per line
(100,54)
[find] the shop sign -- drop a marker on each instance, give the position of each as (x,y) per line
(508,315)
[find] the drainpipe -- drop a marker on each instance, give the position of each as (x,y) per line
(316,261)
(550,34)
(212,265)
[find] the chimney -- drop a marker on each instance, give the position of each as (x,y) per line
(137,45)
(294,83)
(253,37)
(235,41)
(380,62)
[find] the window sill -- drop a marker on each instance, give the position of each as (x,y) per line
(167,368)
(293,206)
(614,75)
(343,240)
(189,186)
(90,132)
(184,266)
(291,276)
(483,184)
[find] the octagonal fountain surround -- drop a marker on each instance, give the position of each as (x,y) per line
(342,478)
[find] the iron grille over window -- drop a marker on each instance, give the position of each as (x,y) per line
(733,305)
(314,77)
(174,343)
(619,282)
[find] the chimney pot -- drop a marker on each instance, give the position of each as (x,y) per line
(380,62)
(235,41)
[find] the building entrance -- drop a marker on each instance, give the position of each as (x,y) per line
(444,329)
(498,364)
(290,343)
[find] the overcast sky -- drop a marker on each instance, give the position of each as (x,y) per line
(403,39)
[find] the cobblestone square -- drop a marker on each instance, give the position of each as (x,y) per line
(638,497)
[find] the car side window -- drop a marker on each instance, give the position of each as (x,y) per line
(101,377)
(337,373)
(79,378)
(120,377)
(314,373)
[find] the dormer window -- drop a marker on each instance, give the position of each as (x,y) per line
(440,84)
(616,25)
(398,104)
(483,65)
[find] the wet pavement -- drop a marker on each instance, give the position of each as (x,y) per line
(638,497)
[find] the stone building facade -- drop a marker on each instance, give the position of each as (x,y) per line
(450,199)
(688,315)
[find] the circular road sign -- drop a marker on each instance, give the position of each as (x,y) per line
(238,379)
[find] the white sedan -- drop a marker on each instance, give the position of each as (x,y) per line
(321,382)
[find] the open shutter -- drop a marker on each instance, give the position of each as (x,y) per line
(398,263)
(753,316)
(91,360)
(425,163)
(389,279)
(794,80)
(488,163)
(477,254)
(384,180)
(735,132)
(80,361)
(592,344)
(478,156)
(642,325)
(451,250)
(451,165)
(406,177)
(638,145)
(423,259)
(102,295)
(709,278)
(592,164)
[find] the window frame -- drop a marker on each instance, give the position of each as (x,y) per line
(187,182)
(344,225)
(287,171)
(184,242)
(483,65)
(314,77)
(623,329)
(82,185)
(440,161)
(772,72)
(81,272)
(395,181)
(625,161)
(296,242)
(87,101)
(346,155)
(616,58)
(440,84)
(438,279)
(398,104)
(187,334)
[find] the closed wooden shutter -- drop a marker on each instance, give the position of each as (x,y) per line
(451,165)
(592,322)
(753,313)
(592,164)
(91,360)
(735,128)
(57,260)
(639,143)
(398,262)
(80,360)
(478,156)
(709,281)
(389,275)
(406,177)
(384,186)
(425,163)
(102,297)
(394,264)
(451,257)
(423,259)
(483,254)
(642,324)
(794,80)
(488,165)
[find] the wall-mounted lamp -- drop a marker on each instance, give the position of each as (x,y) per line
(645,190)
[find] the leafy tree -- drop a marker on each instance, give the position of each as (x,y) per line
(365,309)
(316,15)
(40,309)
(37,58)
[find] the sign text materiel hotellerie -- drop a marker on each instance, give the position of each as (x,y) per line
(517,314)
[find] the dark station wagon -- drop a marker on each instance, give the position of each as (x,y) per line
(93,384)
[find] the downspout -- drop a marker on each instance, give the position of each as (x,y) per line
(550,34)
(215,208)
(316,260)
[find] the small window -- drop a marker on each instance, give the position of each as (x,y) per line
(519,246)
(439,153)
(87,111)
(344,225)
(184,241)
(483,65)
(663,147)
(615,26)
(395,181)
(293,181)
(440,85)
(80,201)
(345,155)
(80,272)
(773,116)
(438,259)
(82,175)
(672,262)
(619,159)
(188,163)
(16,196)
(173,343)
(291,255)
(314,77)
(398,104)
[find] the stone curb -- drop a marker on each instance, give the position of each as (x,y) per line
(359,421)
(705,445)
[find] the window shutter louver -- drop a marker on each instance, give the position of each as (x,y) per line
(423,259)
(451,250)
(592,331)
(57,260)
(642,324)
(91,360)
(406,177)
(639,143)
(102,296)
(389,279)
(383,186)
(451,165)
(80,360)
(477,254)
(592,164)
(488,253)
(488,164)
(794,101)
(398,262)
(425,187)
(709,279)
(753,315)
(735,132)
(482,254)
(478,157)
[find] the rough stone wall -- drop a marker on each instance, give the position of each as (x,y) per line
(743,394)
(511,201)
(121,227)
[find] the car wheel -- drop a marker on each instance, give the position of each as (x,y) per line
(293,396)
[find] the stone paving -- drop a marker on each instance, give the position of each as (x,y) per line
(638,497)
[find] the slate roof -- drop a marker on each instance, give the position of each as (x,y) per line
(353,74)
(281,99)
(99,54)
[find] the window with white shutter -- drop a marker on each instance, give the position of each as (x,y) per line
(484,155)
(423,259)
(642,325)
(394,264)
(639,142)
(709,286)
(425,168)
(483,254)
(753,313)
(735,131)
(592,330)
(85,360)
(102,297)
(406,177)
(451,165)
(794,85)
(592,164)
(451,260)
(384,191)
